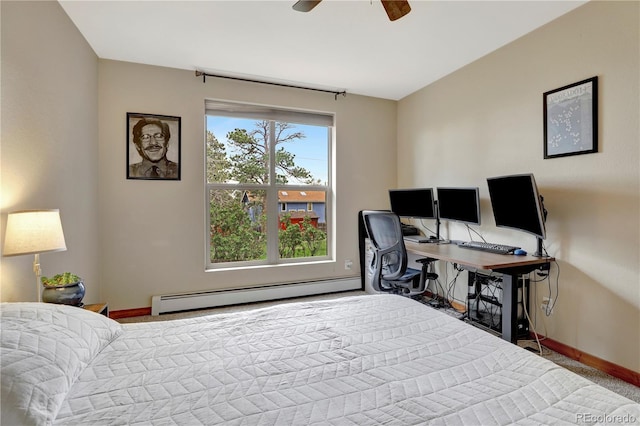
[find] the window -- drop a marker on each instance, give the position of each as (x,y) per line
(265,168)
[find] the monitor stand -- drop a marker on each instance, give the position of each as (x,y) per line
(539,252)
(435,203)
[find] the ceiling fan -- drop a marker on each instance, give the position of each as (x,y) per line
(395,9)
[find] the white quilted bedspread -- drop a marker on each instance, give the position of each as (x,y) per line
(364,360)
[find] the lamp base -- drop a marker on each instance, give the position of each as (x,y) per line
(38,272)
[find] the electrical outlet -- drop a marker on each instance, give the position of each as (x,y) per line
(348,264)
(547,305)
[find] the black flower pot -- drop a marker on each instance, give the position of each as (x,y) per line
(67,294)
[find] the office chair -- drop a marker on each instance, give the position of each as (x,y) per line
(389,264)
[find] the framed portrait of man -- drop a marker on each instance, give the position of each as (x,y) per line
(153,147)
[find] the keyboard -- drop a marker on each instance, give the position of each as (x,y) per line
(490,247)
(416,238)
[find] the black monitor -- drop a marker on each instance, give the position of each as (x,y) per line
(459,205)
(517,204)
(416,203)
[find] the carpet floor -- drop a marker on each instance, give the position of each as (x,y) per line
(605,380)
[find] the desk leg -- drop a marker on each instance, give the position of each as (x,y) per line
(510,308)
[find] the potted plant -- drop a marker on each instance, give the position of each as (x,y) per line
(65,289)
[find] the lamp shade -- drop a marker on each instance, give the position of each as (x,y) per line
(32,232)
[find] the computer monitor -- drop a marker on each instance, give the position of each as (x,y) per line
(459,205)
(415,203)
(517,204)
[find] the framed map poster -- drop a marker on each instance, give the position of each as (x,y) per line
(571,119)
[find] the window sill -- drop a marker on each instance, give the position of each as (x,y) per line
(238,267)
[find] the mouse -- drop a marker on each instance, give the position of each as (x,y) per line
(519,252)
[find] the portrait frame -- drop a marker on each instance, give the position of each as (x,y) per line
(571,119)
(169,166)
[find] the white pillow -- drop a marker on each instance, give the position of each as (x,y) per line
(44,348)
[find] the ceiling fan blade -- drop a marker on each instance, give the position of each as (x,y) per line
(305,5)
(395,9)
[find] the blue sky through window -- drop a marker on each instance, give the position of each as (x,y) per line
(310,152)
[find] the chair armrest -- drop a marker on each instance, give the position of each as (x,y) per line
(426,261)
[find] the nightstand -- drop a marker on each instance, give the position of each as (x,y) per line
(99,308)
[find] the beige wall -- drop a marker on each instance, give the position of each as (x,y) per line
(153,233)
(49,140)
(486,120)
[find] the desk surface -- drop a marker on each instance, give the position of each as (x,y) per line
(474,258)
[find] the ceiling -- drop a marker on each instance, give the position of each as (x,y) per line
(339,45)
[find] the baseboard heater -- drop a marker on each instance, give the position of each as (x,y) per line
(210,299)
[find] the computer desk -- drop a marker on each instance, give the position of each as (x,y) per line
(510,266)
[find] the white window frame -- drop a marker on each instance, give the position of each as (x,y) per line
(263,112)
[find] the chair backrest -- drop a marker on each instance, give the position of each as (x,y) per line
(390,255)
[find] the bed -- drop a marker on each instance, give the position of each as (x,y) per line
(361,360)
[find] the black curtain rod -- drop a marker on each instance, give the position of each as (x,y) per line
(205,75)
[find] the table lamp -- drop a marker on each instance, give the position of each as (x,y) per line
(34,232)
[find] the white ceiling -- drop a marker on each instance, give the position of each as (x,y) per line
(339,45)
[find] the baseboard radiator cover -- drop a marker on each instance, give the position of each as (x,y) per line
(167,303)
